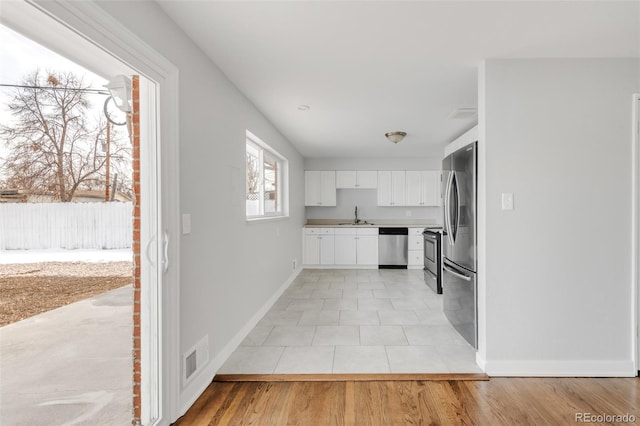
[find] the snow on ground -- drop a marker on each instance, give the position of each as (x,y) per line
(61,255)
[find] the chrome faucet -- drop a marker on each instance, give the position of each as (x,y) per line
(356,220)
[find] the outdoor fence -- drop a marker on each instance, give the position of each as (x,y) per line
(26,226)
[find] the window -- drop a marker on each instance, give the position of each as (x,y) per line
(266,186)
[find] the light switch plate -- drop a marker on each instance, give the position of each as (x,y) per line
(507,201)
(186,224)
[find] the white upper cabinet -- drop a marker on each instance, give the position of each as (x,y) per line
(319,188)
(423,188)
(391,188)
(351,179)
(367,179)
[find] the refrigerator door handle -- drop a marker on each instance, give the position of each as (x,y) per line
(456,273)
(457,224)
(447,200)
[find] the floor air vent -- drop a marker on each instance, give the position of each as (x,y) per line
(190,365)
(196,358)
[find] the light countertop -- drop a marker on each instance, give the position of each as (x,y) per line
(371,223)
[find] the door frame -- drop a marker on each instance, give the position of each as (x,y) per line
(635,231)
(94,24)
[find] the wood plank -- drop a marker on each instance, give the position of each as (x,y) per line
(346,377)
(500,401)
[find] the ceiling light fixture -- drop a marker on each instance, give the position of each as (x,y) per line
(395,137)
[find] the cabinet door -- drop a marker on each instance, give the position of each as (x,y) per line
(430,182)
(327,249)
(346,179)
(398,188)
(328,188)
(311,249)
(384,188)
(367,180)
(345,249)
(415,258)
(312,188)
(414,188)
(367,248)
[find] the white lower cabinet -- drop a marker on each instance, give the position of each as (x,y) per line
(341,246)
(319,246)
(367,248)
(345,246)
(416,248)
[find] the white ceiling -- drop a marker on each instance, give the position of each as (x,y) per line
(369,67)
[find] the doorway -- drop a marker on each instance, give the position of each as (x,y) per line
(84,33)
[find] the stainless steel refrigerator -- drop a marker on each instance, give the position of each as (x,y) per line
(459,241)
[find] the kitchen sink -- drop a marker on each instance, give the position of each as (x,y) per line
(356,224)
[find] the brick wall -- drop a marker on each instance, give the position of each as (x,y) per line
(135,139)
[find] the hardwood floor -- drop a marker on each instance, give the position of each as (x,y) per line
(499,401)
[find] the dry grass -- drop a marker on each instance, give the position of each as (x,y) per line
(30,289)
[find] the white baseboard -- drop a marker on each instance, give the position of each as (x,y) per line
(199,383)
(576,368)
(340,266)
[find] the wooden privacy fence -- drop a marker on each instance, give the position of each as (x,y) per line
(65,225)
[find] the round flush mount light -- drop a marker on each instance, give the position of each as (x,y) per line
(395,137)
(304,107)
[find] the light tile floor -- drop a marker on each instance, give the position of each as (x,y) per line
(354,321)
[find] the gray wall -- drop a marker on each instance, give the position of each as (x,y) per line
(557,269)
(229,268)
(366,199)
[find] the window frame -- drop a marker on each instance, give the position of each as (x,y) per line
(253,143)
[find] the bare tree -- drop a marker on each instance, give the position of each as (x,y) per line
(253,174)
(55,144)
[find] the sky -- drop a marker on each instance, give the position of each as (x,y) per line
(20,56)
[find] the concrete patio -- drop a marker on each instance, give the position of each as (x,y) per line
(70,366)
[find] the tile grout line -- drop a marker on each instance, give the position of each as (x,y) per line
(275,367)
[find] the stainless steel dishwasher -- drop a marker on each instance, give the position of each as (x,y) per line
(392,248)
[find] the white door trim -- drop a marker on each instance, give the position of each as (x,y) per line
(93,23)
(635,231)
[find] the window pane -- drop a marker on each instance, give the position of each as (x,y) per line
(270,184)
(253,184)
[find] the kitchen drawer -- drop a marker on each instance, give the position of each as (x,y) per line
(367,231)
(344,231)
(318,231)
(416,242)
(416,231)
(416,258)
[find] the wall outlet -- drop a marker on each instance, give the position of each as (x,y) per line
(507,201)
(294,264)
(186,224)
(407,213)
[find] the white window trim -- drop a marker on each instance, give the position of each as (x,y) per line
(283,190)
